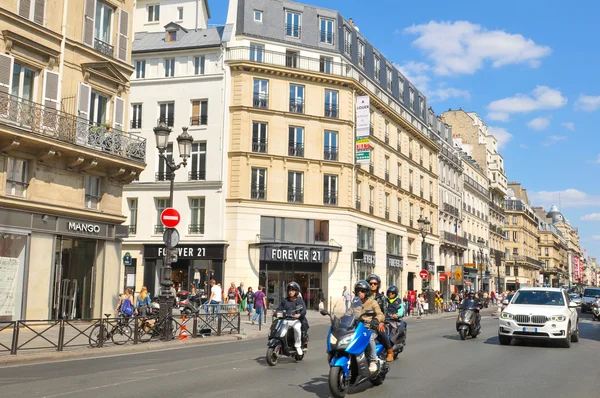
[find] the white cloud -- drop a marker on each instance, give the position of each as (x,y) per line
(596,237)
(461,47)
(418,74)
(542,97)
(596,161)
(553,139)
(501,134)
(523,146)
(591,217)
(587,103)
(568,198)
(443,93)
(539,123)
(568,125)
(498,116)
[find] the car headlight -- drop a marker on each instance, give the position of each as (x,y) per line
(332,339)
(558,318)
(345,341)
(506,315)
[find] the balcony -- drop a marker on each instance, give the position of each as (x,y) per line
(260,100)
(446,153)
(331,111)
(159,229)
(326,36)
(132,229)
(532,262)
(454,239)
(104,48)
(387,175)
(448,208)
(135,124)
(45,122)
(371,207)
(259,146)
(330,199)
(497,230)
(199,175)
(163,176)
(296,106)
(476,186)
(258,193)
(296,196)
(496,208)
(296,150)
(330,153)
(371,168)
(293,30)
(199,120)
(357,203)
(196,229)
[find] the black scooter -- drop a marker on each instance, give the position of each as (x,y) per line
(468,322)
(282,339)
(395,328)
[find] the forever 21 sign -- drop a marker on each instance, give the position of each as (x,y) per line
(294,254)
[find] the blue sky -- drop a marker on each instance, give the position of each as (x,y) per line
(528,68)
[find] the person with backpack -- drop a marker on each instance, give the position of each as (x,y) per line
(125,305)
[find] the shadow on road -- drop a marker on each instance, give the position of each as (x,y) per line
(525,343)
(317,386)
(589,330)
(452,337)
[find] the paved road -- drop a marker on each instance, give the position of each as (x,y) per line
(436,363)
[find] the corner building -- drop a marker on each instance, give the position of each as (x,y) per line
(298,207)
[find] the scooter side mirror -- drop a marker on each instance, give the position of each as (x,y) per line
(324,312)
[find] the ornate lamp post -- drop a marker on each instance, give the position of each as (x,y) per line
(424,224)
(481,243)
(184,141)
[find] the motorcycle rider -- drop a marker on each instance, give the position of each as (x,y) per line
(471,302)
(376,295)
(293,304)
(361,304)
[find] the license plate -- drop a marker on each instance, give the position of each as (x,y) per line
(534,330)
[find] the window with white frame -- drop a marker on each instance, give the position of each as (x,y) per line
(98,108)
(389,78)
(259,137)
(296,141)
(153,12)
(292,24)
(198,161)
(199,63)
(92,192)
(258,16)
(199,113)
(258,181)
(330,190)
(361,53)
(197,212)
(17,179)
(256,52)
(401,88)
(103,24)
(295,187)
(136,116)
(347,41)
(169,67)
(23,82)
(167,113)
(326,31)
(140,69)
(326,64)
(180,13)
(377,65)
(161,205)
(133,215)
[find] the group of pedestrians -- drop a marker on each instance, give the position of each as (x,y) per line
(141,307)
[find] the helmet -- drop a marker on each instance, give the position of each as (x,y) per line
(393,289)
(293,286)
(374,277)
(361,286)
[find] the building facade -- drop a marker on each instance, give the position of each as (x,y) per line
(65,156)
(298,206)
(552,248)
(522,267)
(179,78)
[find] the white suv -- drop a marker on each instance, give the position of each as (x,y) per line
(540,313)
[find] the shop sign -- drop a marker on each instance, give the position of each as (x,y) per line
(127,259)
(83,227)
(187,252)
(369,259)
(294,254)
(394,262)
(363,150)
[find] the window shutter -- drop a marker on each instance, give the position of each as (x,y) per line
(119,113)
(51,81)
(88,22)
(25,8)
(83,111)
(6,65)
(123,35)
(39,11)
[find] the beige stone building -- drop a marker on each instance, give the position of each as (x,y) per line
(552,248)
(574,253)
(522,267)
(298,206)
(64,155)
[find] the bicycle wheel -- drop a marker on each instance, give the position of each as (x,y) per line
(122,334)
(94,338)
(145,331)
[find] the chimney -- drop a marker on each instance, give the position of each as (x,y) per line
(351,22)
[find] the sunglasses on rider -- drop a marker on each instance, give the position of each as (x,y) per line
(373,283)
(360,291)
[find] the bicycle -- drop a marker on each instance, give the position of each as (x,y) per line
(150,327)
(120,332)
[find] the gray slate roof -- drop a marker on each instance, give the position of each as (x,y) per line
(156,41)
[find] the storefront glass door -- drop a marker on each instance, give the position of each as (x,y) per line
(12,266)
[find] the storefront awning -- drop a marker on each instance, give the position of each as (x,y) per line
(290,245)
(294,252)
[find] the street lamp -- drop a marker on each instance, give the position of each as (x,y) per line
(184,141)
(424,224)
(481,243)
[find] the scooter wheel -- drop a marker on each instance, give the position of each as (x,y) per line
(338,384)
(463,334)
(273,354)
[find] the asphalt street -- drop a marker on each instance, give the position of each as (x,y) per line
(435,363)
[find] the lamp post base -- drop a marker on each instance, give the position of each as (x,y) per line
(165,315)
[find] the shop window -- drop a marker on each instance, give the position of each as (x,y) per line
(393,244)
(92,192)
(365,238)
(321,230)
(16,176)
(197,211)
(12,265)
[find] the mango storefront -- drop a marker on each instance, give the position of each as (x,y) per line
(53,267)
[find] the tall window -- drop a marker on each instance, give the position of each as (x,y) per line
(199,63)
(401,88)
(22,82)
(365,238)
(198,169)
(410,147)
(296,141)
(256,52)
(163,171)
(92,192)
(387,205)
(292,58)
(399,210)
(347,41)
(296,98)
(180,13)
(140,69)
(133,215)
(292,25)
(389,78)
(161,205)
(410,179)
(259,137)
(399,182)
(103,24)
(331,104)
(295,187)
(167,113)
(371,199)
(361,53)
(153,12)
(16,176)
(377,65)
(412,98)
(326,31)
(331,145)
(326,64)
(411,214)
(330,189)
(199,113)
(258,188)
(393,244)
(98,108)
(170,67)
(136,116)
(387,168)
(260,96)
(197,207)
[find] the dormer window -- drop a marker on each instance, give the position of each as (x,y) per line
(172,35)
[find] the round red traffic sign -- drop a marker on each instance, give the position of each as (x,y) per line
(424,274)
(170,217)
(443,277)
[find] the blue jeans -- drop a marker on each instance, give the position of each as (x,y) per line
(347,304)
(196,283)
(250,307)
(217,309)
(259,312)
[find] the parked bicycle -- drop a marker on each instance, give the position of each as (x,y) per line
(118,331)
(151,327)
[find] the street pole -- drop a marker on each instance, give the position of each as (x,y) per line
(498,288)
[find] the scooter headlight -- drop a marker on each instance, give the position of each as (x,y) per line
(345,341)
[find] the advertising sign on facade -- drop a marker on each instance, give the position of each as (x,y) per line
(294,254)
(457,275)
(363,149)
(363,126)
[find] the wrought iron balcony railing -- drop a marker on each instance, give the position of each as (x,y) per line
(104,48)
(260,100)
(46,122)
(331,153)
(296,106)
(199,120)
(296,149)
(326,36)
(199,175)
(159,229)
(258,194)
(357,204)
(169,120)
(136,124)
(293,30)
(330,199)
(448,208)
(196,228)
(296,196)
(454,239)
(163,176)
(331,111)
(259,146)
(132,229)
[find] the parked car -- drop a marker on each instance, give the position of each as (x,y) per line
(576,298)
(505,302)
(539,313)
(589,296)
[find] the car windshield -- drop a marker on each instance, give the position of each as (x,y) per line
(591,292)
(538,297)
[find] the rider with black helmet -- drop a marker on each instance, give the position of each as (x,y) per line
(375,284)
(293,304)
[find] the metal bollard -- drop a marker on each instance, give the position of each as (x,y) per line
(136,330)
(61,335)
(101,338)
(219,325)
(15,339)
(195,326)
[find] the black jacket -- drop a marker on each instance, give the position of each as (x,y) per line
(295,307)
(392,308)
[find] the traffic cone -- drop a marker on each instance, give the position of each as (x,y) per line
(183,330)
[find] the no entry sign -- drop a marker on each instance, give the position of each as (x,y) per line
(424,274)
(170,217)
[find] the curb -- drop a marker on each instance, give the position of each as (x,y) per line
(7,360)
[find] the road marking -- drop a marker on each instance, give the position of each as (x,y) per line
(144,371)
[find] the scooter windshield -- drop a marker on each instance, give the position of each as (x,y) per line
(345,322)
(468,304)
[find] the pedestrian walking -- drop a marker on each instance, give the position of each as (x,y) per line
(143,305)
(242,292)
(215,296)
(250,301)
(347,297)
(260,303)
